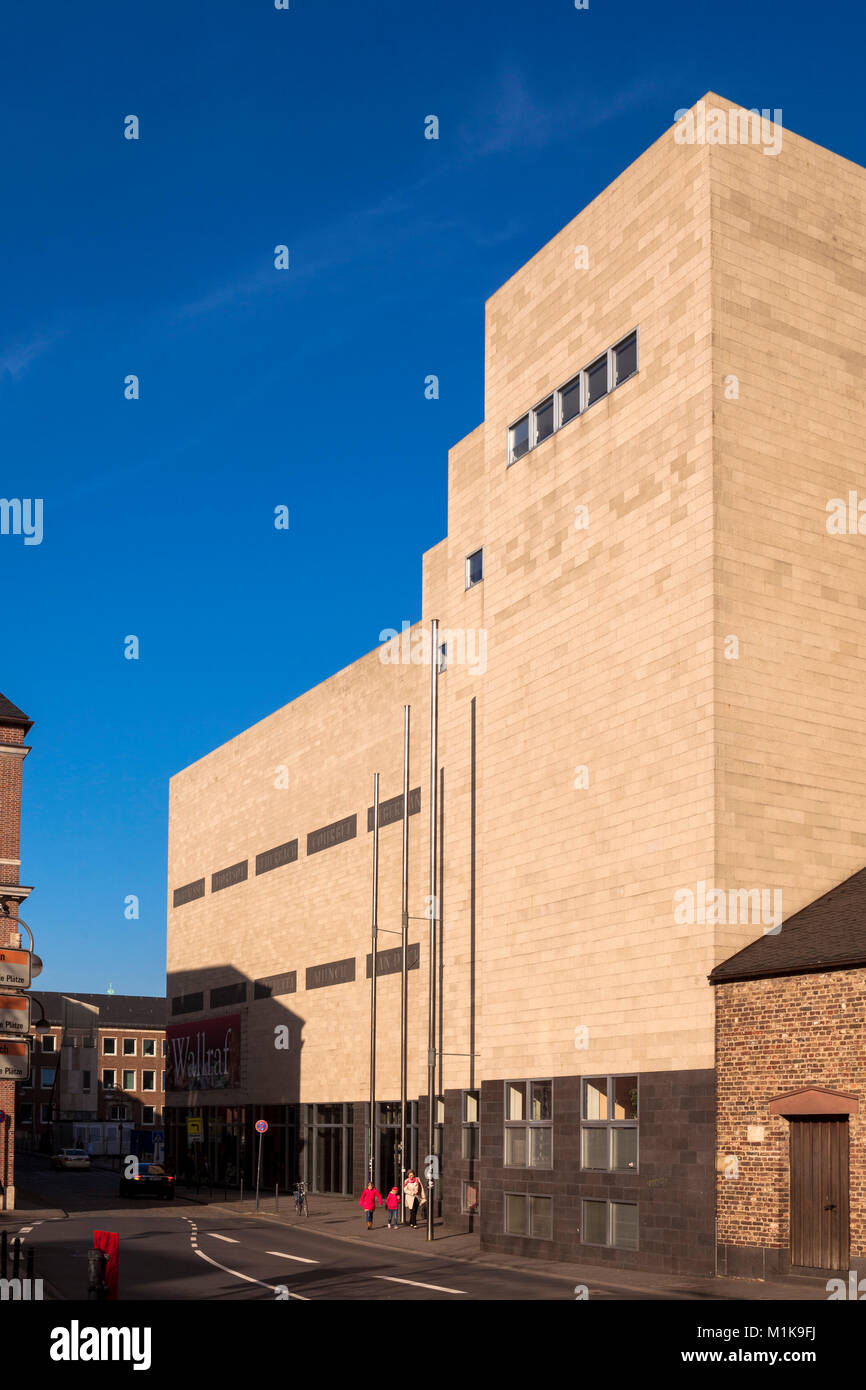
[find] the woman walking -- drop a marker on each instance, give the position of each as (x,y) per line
(413,1191)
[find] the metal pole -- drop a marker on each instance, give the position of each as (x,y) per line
(404,967)
(259,1170)
(431,1018)
(374,956)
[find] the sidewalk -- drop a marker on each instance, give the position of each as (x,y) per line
(340,1219)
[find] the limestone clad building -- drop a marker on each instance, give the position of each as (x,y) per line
(650,706)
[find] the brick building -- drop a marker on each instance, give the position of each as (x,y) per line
(101,1066)
(652,670)
(14,728)
(791,1066)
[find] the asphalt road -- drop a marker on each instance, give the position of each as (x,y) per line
(180,1251)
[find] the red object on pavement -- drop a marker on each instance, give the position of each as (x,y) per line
(109,1243)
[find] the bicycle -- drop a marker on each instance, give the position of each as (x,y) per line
(301,1208)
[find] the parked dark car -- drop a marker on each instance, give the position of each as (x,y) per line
(151,1180)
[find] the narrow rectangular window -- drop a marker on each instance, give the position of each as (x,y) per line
(108,1080)
(543,420)
(109,1046)
(148,1047)
(474,568)
(129,1081)
(625,359)
(569,400)
(147,1114)
(48,1043)
(596,380)
(129,1047)
(518,439)
(148,1081)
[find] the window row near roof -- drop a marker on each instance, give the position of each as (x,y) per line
(609,370)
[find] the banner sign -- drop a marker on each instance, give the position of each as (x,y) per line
(204,1056)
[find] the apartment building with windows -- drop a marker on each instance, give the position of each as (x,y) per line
(650,698)
(101,1066)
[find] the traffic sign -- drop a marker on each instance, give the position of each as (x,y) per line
(14,1060)
(15,968)
(262,1126)
(15,1014)
(194,1127)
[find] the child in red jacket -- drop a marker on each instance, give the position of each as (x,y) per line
(392,1202)
(369,1198)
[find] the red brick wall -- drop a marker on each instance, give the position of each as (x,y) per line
(10,838)
(775,1036)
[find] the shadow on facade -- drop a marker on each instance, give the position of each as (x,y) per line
(233,1057)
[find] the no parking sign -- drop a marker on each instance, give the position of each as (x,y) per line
(262,1126)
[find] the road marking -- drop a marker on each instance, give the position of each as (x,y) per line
(283,1256)
(229,1239)
(25,1230)
(248,1278)
(440,1288)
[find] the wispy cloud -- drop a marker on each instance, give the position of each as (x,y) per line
(16,358)
(506,118)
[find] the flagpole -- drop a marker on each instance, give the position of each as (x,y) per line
(404,966)
(431,1018)
(375,933)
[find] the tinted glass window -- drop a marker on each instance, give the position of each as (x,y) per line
(544,420)
(596,380)
(474,569)
(570,400)
(625,356)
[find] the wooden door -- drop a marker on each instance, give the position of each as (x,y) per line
(819,1192)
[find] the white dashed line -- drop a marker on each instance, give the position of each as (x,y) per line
(283,1256)
(440,1288)
(248,1278)
(230,1240)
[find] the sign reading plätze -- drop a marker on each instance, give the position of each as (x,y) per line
(14,1060)
(15,1014)
(14,968)
(204,1056)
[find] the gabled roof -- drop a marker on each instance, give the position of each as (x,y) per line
(115,1010)
(829,934)
(11,714)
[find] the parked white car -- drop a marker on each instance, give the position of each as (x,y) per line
(71,1158)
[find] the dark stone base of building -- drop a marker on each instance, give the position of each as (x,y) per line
(755,1262)
(665,1204)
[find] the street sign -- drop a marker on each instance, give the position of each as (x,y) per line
(194,1127)
(15,1014)
(14,1060)
(262,1126)
(15,968)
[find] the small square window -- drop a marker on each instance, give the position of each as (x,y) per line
(518,439)
(625,359)
(569,400)
(109,1046)
(48,1042)
(596,380)
(543,420)
(129,1047)
(474,568)
(148,1047)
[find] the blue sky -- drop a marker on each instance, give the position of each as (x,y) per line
(258,388)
